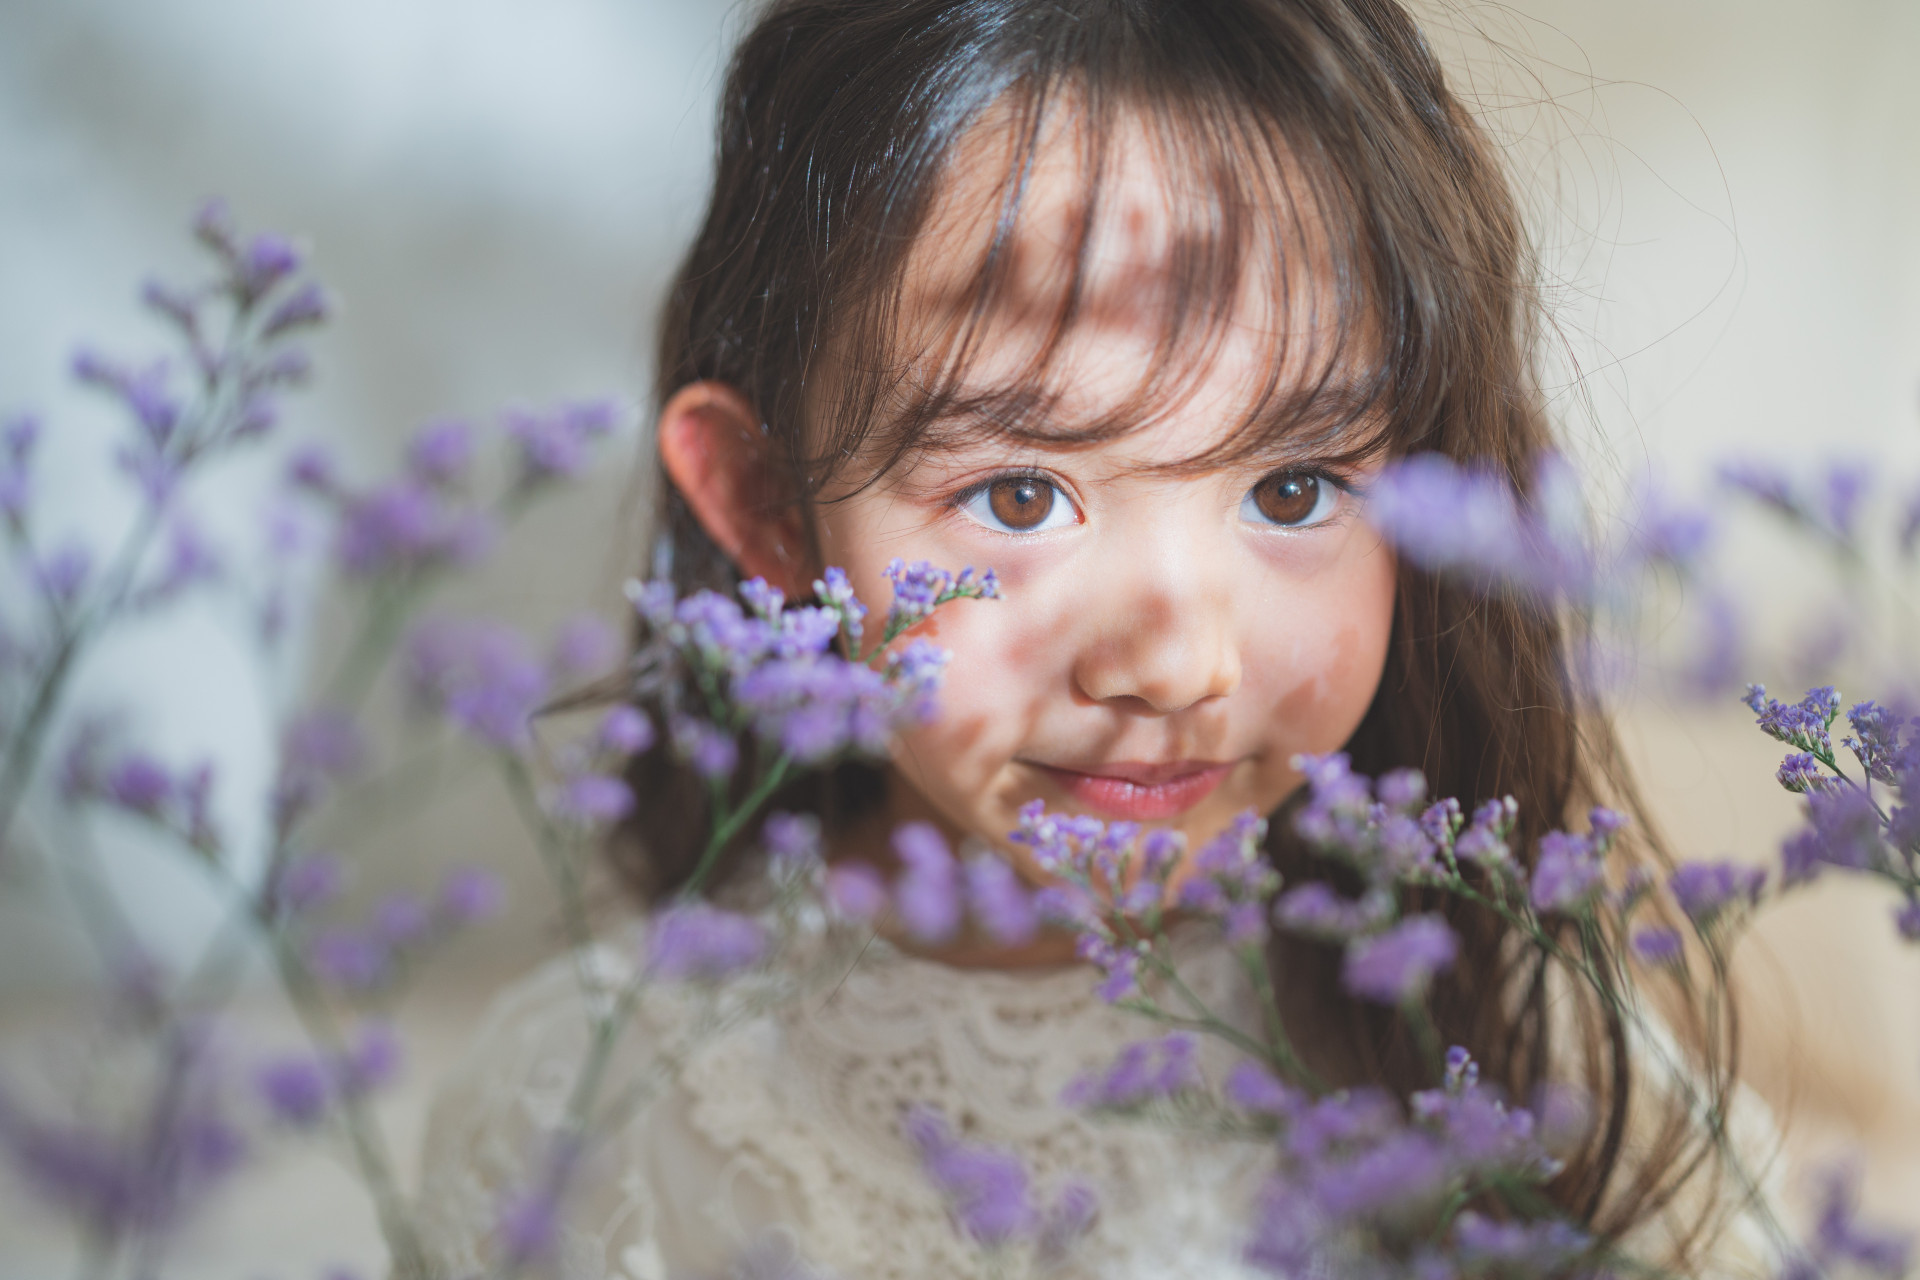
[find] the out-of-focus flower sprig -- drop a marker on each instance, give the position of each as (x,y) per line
(132,1175)
(238,353)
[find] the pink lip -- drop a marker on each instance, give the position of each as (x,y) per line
(1139,791)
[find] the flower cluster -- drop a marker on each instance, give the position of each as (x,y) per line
(1365,1188)
(1847,827)
(774,670)
(991,1195)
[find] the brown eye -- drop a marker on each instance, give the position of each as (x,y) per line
(1290,499)
(1022,502)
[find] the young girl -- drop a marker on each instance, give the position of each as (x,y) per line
(1126,299)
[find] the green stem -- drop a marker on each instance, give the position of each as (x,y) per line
(732,820)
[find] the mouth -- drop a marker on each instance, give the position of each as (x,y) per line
(1138,791)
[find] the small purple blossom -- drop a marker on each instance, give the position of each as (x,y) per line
(998,901)
(985,1187)
(1567,873)
(308,883)
(370,1061)
(294,1089)
(1397,966)
(346,959)
(710,749)
(594,798)
(856,891)
(440,452)
(139,784)
(584,647)
(626,731)
(1530,1248)
(1800,773)
(61,574)
(557,444)
(703,943)
(471,894)
(1146,1071)
(1843,830)
(401,919)
(1658,946)
(482,676)
(927,895)
(1251,1087)
(792,839)
(1705,890)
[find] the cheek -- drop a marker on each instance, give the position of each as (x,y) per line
(1316,666)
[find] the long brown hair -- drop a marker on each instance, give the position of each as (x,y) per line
(1321,123)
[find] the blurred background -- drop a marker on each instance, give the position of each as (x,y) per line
(496,190)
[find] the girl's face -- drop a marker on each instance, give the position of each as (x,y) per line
(1168,640)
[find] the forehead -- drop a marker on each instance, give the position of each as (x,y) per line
(1086,280)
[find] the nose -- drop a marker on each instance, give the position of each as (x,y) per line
(1163,637)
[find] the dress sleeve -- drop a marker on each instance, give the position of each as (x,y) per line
(650,1198)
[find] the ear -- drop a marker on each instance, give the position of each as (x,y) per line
(715,452)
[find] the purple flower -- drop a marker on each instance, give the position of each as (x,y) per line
(470,894)
(294,1089)
(1843,830)
(1706,889)
(792,839)
(1314,909)
(1531,1248)
(1800,773)
(312,468)
(308,883)
(371,1061)
(404,526)
(586,646)
(927,896)
(304,307)
(139,784)
(918,589)
(440,452)
(1402,789)
(626,731)
(347,959)
(986,1187)
(1251,1087)
(1396,966)
(326,742)
(703,943)
(1658,946)
(1841,1238)
(401,919)
(1069,1218)
(481,675)
(710,749)
(556,444)
(528,1227)
(1404,1173)
(61,574)
(592,798)
(999,901)
(1567,873)
(835,593)
(856,891)
(1876,739)
(1146,1071)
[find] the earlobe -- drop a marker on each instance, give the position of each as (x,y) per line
(715,452)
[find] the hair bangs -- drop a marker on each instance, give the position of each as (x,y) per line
(1107,193)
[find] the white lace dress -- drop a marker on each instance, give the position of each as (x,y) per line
(785,1128)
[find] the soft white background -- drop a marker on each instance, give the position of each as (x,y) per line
(495,190)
